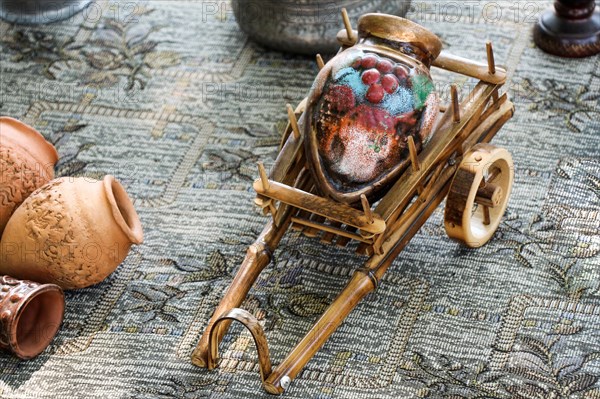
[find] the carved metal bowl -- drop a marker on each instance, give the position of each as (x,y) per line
(40,11)
(305,26)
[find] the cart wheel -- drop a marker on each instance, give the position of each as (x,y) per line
(478,195)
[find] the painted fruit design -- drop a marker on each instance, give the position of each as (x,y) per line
(367,107)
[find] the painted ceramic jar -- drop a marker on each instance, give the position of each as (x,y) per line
(366,102)
(72,232)
(26,163)
(30,316)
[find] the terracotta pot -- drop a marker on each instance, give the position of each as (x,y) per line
(365,104)
(26,163)
(72,232)
(30,316)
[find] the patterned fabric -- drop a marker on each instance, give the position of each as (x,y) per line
(172,99)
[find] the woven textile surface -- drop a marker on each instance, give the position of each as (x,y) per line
(172,99)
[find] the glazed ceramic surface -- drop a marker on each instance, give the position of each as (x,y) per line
(26,163)
(73,232)
(30,316)
(363,106)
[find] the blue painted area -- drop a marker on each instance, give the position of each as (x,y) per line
(351,78)
(401,102)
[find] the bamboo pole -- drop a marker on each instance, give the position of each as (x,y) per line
(263,176)
(367,208)
(320,62)
(455,103)
(257,258)
(293,121)
(414,159)
(348,25)
(490,58)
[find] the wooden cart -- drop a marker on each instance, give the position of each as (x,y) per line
(458,164)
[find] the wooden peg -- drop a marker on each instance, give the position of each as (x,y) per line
(367,208)
(455,104)
(320,62)
(414,159)
(263,176)
(347,25)
(490,58)
(486,216)
(293,121)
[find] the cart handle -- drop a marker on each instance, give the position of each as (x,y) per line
(253,326)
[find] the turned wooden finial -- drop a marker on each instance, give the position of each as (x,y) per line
(347,25)
(570,29)
(263,176)
(412,149)
(366,208)
(320,62)
(293,121)
(455,104)
(490,58)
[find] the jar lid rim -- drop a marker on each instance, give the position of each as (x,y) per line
(398,29)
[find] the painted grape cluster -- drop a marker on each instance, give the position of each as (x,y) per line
(368,107)
(380,75)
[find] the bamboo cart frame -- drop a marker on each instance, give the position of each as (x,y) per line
(457,164)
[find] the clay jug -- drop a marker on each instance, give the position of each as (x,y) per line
(366,102)
(30,316)
(72,232)
(26,163)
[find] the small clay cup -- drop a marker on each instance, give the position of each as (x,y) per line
(26,163)
(30,316)
(72,232)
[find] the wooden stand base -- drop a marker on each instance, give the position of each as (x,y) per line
(571,30)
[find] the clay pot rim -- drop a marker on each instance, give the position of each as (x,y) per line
(392,27)
(31,295)
(123,210)
(31,133)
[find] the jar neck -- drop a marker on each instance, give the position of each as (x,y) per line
(412,50)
